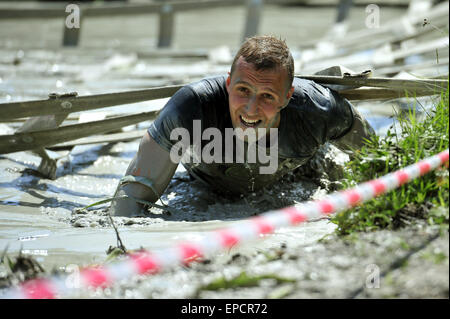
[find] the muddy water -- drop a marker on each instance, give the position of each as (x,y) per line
(36,214)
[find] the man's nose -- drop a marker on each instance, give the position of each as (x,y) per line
(252,106)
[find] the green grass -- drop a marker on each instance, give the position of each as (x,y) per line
(243,280)
(424,198)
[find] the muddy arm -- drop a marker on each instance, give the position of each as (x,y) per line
(356,136)
(154,163)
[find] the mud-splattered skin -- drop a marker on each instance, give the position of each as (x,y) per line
(257,95)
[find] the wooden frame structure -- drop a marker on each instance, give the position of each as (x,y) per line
(166,10)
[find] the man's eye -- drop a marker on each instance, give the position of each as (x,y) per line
(268,96)
(243,90)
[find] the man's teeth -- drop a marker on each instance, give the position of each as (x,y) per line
(249,120)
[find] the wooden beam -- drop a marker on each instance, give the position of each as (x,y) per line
(252,21)
(166,26)
(379,94)
(334,3)
(173,53)
(420,48)
(343,49)
(389,30)
(83,103)
(376,58)
(56,10)
(72,26)
(412,67)
(31,140)
(425,86)
(108,138)
(47,166)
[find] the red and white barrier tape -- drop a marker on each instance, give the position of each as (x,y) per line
(185,252)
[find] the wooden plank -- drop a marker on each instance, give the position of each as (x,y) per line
(252,21)
(44,138)
(344,7)
(82,103)
(343,49)
(72,26)
(47,166)
(424,86)
(420,48)
(388,29)
(109,138)
(18,142)
(111,9)
(71,37)
(438,11)
(412,67)
(32,10)
(183,6)
(377,58)
(55,10)
(31,140)
(173,53)
(70,118)
(334,3)
(379,94)
(166,26)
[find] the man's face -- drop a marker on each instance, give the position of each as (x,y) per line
(256,97)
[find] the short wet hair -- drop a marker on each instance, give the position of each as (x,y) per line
(266,53)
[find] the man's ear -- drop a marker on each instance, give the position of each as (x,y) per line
(228,81)
(288,97)
(290,92)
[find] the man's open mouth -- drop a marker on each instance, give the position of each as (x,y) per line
(249,122)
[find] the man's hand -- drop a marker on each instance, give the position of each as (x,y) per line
(127,206)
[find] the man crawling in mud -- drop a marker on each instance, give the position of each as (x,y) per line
(219,119)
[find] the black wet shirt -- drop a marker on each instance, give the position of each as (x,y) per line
(314,115)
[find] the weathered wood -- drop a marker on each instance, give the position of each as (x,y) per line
(381,57)
(166,26)
(108,138)
(344,7)
(47,166)
(440,10)
(420,48)
(389,30)
(31,140)
(412,67)
(45,138)
(379,94)
(254,9)
(173,53)
(342,50)
(82,103)
(72,29)
(56,10)
(72,118)
(334,3)
(71,37)
(165,10)
(424,86)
